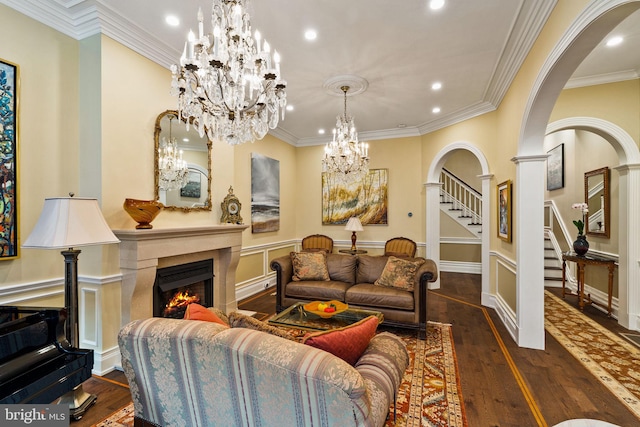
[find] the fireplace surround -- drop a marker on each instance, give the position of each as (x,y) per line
(143,252)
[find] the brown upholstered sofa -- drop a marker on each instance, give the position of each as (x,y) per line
(352,281)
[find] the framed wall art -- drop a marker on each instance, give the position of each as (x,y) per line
(504,211)
(9,81)
(366,198)
(265,194)
(555,168)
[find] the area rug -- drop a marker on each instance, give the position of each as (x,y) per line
(614,361)
(430,393)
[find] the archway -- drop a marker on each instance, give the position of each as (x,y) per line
(591,26)
(433,211)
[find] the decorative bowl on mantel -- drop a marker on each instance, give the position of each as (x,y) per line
(142,211)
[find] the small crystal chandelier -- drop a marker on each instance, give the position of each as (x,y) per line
(172,169)
(344,155)
(227,81)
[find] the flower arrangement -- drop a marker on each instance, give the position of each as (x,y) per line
(580,223)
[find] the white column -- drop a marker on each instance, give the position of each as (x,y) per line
(486,298)
(433,227)
(629,247)
(528,217)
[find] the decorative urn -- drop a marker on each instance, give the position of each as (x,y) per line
(142,211)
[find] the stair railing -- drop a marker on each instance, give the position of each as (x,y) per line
(462,196)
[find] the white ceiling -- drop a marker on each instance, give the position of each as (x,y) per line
(474,48)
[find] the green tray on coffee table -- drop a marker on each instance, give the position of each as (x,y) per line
(296,317)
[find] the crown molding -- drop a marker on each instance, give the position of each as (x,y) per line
(602,79)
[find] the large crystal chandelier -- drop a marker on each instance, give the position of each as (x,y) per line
(345,156)
(172,169)
(227,82)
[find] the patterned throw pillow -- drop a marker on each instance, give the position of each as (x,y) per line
(399,273)
(239,320)
(347,343)
(197,312)
(309,266)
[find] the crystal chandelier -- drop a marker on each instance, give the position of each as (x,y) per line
(172,169)
(227,82)
(344,156)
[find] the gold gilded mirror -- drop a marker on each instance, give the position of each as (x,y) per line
(596,195)
(195,195)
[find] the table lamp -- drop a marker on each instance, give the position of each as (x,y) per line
(65,223)
(354,225)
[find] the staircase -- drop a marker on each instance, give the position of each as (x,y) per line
(461,202)
(552,265)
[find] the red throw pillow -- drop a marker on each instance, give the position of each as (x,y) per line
(197,312)
(347,343)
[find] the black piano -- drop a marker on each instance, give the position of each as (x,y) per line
(37,363)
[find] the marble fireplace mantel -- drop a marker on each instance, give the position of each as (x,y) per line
(142,252)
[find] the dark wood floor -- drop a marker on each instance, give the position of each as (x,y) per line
(502,385)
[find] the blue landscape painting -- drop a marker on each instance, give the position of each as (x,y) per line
(265,194)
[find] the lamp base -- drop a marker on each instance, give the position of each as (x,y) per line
(353,240)
(78,400)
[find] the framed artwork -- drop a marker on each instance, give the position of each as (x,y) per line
(504,211)
(555,168)
(192,188)
(265,194)
(9,80)
(366,198)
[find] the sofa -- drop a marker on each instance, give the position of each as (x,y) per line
(197,373)
(353,279)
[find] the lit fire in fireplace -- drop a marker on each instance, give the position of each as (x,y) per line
(178,304)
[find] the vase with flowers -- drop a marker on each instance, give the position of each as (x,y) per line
(581,245)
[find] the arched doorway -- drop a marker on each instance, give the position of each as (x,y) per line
(433,211)
(595,22)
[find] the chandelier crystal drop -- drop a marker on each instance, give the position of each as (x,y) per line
(173,170)
(228,82)
(345,156)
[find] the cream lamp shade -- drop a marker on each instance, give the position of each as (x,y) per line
(67,222)
(354,225)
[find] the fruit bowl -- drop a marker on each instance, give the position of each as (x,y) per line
(316,308)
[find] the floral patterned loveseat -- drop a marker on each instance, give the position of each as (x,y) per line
(196,373)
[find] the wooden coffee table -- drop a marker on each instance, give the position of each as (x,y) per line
(296,317)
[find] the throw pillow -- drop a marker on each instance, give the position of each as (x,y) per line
(347,343)
(309,266)
(399,273)
(239,320)
(197,312)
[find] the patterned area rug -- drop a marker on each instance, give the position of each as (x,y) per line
(610,358)
(429,395)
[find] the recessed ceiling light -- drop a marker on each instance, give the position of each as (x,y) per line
(436,4)
(289,107)
(402,125)
(436,86)
(436,110)
(172,20)
(185,139)
(310,34)
(614,41)
(321,131)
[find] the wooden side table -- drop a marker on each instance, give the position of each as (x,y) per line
(352,252)
(581,262)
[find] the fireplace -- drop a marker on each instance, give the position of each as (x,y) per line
(178,286)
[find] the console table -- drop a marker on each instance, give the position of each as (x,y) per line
(581,262)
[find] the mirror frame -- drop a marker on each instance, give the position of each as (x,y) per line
(607,212)
(156,187)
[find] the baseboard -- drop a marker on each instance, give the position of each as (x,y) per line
(252,288)
(106,361)
(507,316)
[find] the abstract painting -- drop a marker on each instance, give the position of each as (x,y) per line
(8,163)
(365,198)
(265,194)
